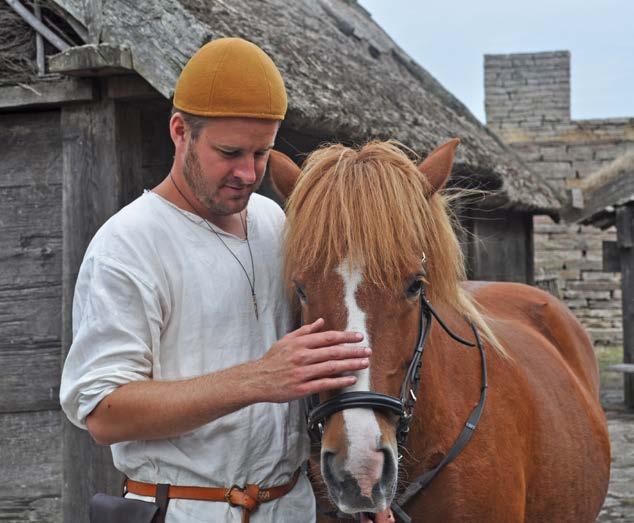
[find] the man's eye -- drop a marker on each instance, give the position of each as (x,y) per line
(229,154)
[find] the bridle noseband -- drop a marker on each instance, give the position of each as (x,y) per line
(403,406)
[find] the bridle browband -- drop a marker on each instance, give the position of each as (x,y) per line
(403,407)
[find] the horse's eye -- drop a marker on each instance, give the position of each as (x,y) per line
(301,294)
(414,289)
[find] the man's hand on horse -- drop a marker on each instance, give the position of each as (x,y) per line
(307,361)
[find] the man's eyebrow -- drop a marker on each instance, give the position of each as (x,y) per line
(238,148)
(226,146)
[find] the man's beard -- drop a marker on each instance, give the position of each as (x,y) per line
(208,196)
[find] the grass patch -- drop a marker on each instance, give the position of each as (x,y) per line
(611,382)
(609,355)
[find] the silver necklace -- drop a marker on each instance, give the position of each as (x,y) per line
(246,235)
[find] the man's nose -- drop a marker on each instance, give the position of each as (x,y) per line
(245,170)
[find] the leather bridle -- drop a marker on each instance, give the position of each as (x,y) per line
(403,406)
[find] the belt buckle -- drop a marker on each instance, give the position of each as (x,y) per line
(228,494)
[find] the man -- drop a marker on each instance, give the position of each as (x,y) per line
(179,304)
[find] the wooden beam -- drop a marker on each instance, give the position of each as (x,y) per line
(46,93)
(130,87)
(626,368)
(625,239)
(93,18)
(91,194)
(92,60)
(39,41)
(624,226)
(529,240)
(36,24)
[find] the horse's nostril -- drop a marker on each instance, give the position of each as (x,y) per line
(388,475)
(388,461)
(327,465)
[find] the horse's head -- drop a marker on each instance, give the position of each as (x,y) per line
(367,233)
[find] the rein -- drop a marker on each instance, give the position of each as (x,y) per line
(403,407)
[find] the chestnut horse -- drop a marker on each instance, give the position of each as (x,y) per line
(370,247)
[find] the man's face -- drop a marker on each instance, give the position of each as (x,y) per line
(226,163)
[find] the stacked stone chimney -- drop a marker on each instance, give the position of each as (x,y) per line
(527,101)
(527,91)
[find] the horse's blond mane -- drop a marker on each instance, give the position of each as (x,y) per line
(371,207)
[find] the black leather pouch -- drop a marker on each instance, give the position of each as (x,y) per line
(113,509)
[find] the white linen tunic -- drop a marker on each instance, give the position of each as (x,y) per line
(159,297)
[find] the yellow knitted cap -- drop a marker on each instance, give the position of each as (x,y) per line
(231,77)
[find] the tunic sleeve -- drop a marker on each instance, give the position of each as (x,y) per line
(116,327)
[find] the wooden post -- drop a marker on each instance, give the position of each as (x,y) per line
(91,194)
(112,149)
(39,42)
(625,240)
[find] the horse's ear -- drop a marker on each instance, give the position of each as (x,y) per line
(437,166)
(283,172)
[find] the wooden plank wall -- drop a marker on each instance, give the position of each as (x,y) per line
(30,322)
(105,153)
(499,245)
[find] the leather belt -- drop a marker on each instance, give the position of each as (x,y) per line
(248,497)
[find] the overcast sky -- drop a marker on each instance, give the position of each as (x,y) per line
(450,39)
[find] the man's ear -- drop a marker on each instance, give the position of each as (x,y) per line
(283,172)
(437,166)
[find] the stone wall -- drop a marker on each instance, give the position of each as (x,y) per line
(527,91)
(527,100)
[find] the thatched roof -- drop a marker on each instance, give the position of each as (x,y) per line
(346,78)
(623,166)
(602,192)
(17,48)
(18,61)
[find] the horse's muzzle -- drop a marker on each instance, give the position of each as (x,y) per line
(364,484)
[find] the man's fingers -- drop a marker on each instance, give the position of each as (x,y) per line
(329,338)
(334,368)
(309,328)
(338,352)
(341,382)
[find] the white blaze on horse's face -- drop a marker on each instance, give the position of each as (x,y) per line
(363,478)
(362,429)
